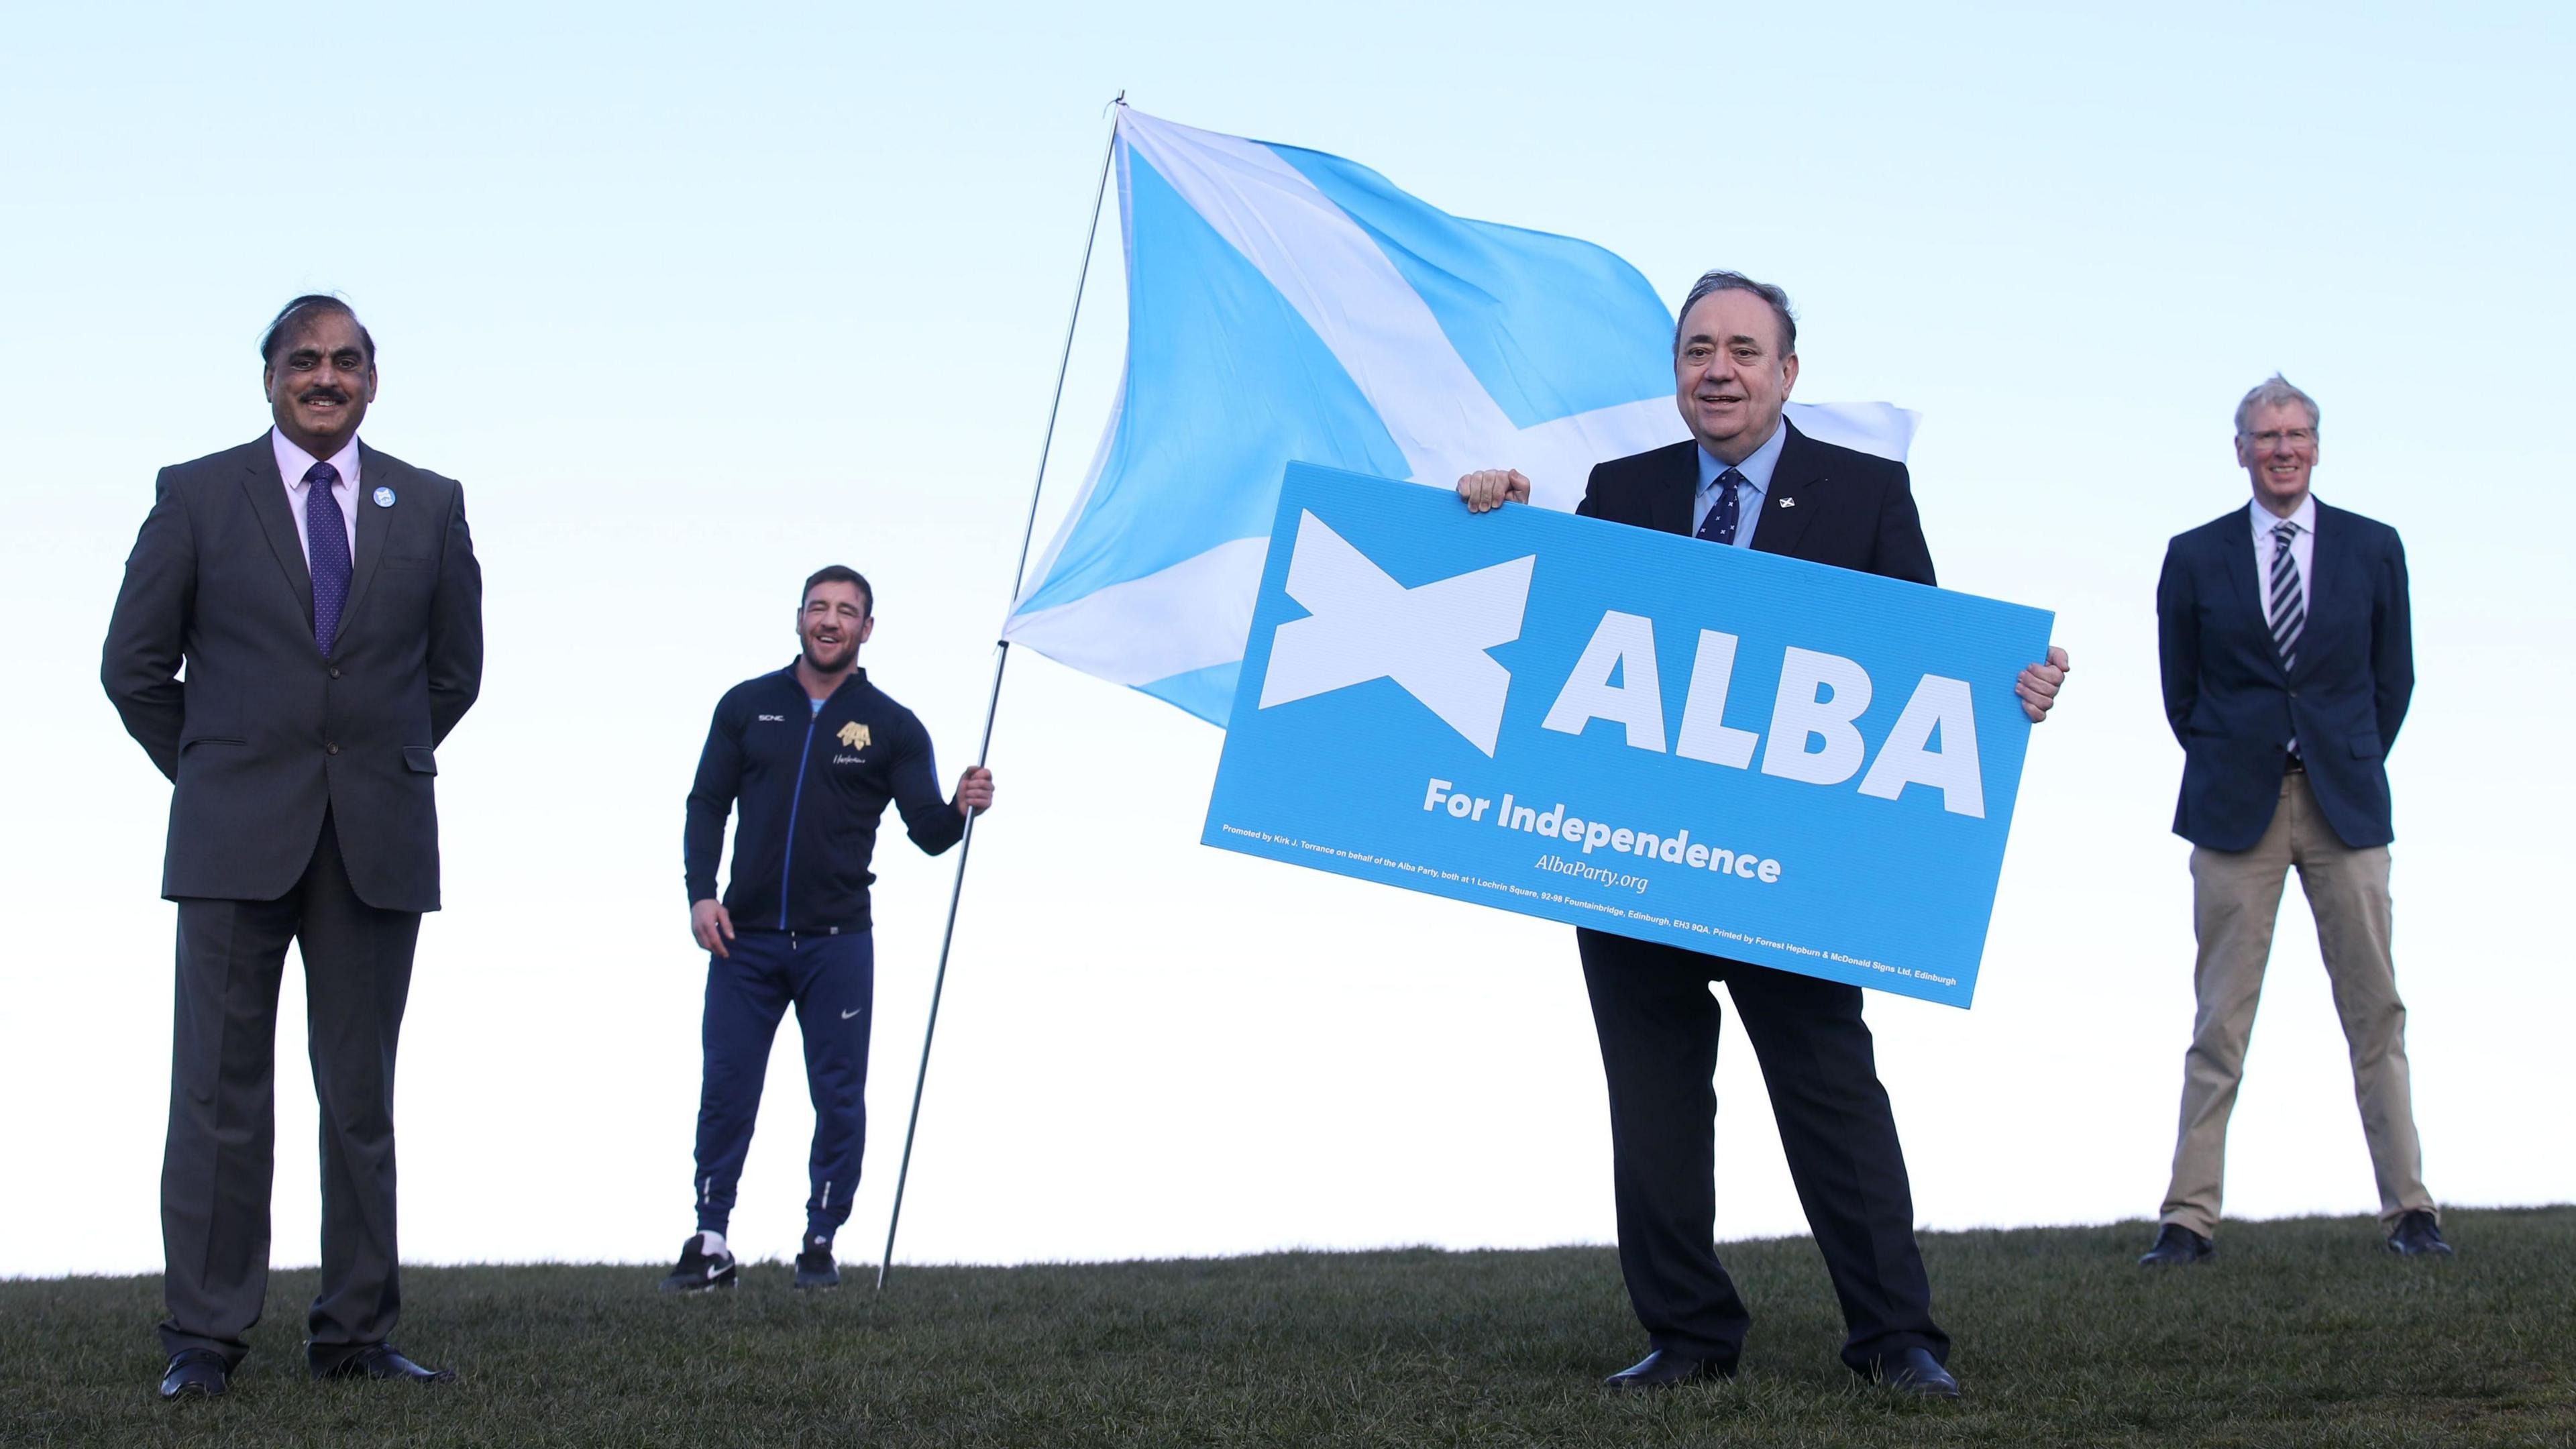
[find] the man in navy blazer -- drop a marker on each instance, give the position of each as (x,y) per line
(2288,663)
(1746,478)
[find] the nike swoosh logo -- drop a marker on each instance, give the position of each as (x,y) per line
(851,1013)
(713,1269)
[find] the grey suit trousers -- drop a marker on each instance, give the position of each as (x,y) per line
(217,1165)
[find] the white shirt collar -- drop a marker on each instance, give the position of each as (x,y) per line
(293,462)
(1757,469)
(2305,516)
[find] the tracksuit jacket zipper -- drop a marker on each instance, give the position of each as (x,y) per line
(796,797)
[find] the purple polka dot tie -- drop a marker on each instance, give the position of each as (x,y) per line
(326,547)
(1727,516)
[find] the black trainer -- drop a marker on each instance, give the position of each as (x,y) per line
(700,1271)
(814,1266)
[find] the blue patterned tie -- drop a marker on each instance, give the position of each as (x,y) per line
(1719,526)
(2289,610)
(326,547)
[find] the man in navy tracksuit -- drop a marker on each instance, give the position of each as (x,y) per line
(812,754)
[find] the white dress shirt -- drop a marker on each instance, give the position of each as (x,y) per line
(1757,471)
(292,464)
(2303,550)
(2303,555)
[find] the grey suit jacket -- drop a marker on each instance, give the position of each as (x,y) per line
(265,733)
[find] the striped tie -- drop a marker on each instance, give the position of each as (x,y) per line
(2289,608)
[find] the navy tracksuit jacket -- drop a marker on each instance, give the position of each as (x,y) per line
(809,785)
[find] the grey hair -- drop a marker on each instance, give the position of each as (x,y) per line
(2274,391)
(1723,281)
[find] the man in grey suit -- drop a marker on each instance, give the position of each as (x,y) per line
(326,604)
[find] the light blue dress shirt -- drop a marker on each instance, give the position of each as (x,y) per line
(1757,471)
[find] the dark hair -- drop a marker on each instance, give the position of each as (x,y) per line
(278,332)
(1738,282)
(841,574)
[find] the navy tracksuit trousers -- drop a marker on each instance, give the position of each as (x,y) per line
(831,981)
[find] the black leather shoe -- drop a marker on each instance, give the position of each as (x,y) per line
(2177,1246)
(2417,1235)
(384,1361)
(1913,1371)
(195,1373)
(1663,1370)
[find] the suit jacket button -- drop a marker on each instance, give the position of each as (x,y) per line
(330,749)
(335,671)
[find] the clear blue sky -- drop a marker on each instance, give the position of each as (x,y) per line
(694,304)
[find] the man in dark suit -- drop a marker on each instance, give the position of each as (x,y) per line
(2288,663)
(325,601)
(1748,479)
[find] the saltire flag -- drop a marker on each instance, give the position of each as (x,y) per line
(1284,304)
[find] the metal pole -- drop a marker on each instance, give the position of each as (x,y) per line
(992,706)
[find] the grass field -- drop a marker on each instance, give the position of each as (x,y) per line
(2302,1332)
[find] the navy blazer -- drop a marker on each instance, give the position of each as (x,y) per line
(1827,504)
(2235,710)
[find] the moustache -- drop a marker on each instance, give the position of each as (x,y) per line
(322,394)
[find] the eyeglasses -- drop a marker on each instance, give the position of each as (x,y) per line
(2295,437)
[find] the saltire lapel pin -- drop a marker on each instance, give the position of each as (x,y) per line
(384,498)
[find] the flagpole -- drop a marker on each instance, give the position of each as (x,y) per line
(993,705)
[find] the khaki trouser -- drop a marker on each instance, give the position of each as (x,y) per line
(2235,897)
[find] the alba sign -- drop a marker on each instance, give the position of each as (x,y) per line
(1728,751)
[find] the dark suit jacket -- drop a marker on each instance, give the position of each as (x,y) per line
(265,733)
(1826,504)
(2235,711)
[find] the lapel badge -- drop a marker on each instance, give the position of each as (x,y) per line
(384,498)
(1786,502)
(854,735)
